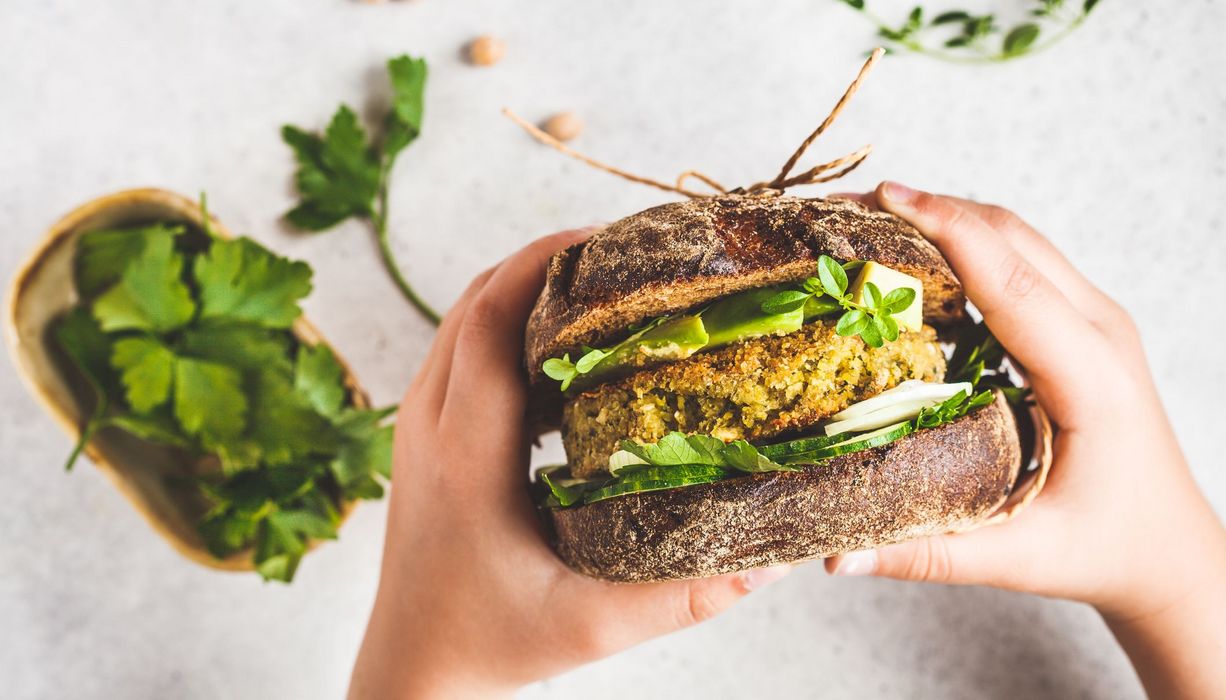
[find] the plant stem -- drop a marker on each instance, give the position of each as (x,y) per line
(379,219)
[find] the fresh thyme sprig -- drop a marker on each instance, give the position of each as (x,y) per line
(972,42)
(872,318)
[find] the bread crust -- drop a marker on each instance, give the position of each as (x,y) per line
(934,481)
(681,255)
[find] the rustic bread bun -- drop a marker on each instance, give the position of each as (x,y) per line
(682,255)
(931,482)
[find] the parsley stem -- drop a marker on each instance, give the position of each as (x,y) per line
(379,219)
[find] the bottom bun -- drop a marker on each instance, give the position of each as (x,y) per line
(931,482)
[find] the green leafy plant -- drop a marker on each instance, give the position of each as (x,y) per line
(185,341)
(966,37)
(873,319)
(342,174)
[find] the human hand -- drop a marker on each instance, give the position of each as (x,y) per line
(1121,524)
(471,599)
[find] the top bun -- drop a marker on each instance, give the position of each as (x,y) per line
(678,256)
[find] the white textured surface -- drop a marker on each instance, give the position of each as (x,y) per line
(1112,143)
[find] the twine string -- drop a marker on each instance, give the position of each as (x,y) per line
(825,172)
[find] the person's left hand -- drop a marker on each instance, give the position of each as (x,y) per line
(471,599)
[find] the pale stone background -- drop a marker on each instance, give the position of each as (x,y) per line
(1112,143)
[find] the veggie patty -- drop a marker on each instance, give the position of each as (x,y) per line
(752,390)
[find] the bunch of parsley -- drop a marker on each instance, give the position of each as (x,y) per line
(343,175)
(185,341)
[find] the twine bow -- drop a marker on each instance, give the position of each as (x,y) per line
(825,172)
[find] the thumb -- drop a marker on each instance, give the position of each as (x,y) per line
(649,610)
(699,600)
(993,556)
(930,559)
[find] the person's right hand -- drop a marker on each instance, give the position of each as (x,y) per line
(1121,524)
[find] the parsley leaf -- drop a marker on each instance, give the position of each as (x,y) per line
(208,400)
(338,174)
(241,346)
(146,369)
(317,376)
(150,294)
(283,423)
(283,539)
(408,77)
(241,280)
(102,256)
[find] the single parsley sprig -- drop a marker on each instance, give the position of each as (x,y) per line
(563,370)
(873,319)
(971,43)
(342,175)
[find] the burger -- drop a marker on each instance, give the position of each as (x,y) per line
(743,381)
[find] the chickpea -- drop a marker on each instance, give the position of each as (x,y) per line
(486,50)
(563,126)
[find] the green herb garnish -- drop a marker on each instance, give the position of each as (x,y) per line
(185,341)
(978,358)
(678,448)
(952,409)
(873,320)
(342,175)
(971,38)
(676,460)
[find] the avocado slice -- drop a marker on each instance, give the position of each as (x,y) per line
(740,317)
(887,280)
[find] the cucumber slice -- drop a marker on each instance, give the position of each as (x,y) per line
(864,441)
(624,488)
(566,491)
(783,450)
(645,472)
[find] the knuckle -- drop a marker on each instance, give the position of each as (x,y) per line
(930,561)
(696,604)
(998,217)
(482,316)
(1020,277)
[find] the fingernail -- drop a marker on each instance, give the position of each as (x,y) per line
(898,193)
(856,564)
(757,578)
